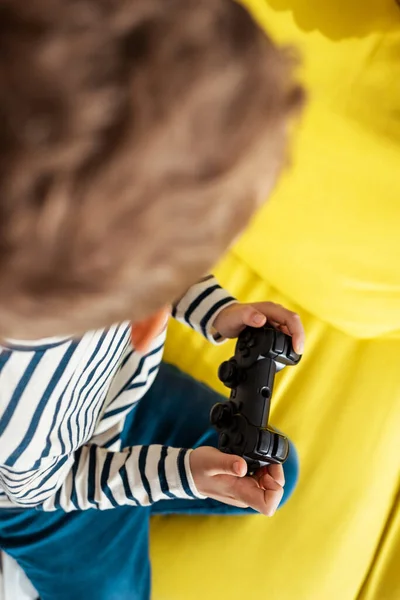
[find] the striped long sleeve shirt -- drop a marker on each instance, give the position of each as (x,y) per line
(63,404)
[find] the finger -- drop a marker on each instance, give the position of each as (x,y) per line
(266,482)
(230,501)
(272,499)
(277,473)
(274,471)
(252,317)
(219,463)
(285,317)
(264,501)
(280,327)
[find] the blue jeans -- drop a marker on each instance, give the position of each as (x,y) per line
(104,555)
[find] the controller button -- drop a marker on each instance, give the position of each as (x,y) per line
(217,414)
(265,392)
(246,335)
(279,344)
(228,373)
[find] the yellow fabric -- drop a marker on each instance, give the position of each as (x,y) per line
(340,204)
(328,245)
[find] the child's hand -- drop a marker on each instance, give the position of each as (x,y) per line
(222,477)
(234,318)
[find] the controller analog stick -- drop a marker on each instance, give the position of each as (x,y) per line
(229,373)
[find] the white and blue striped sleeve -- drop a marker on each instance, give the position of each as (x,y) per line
(94,477)
(200,306)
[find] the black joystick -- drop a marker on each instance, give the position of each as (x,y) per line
(221,415)
(242,421)
(229,373)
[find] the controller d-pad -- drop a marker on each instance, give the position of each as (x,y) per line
(251,342)
(246,336)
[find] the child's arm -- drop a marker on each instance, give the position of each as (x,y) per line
(209,309)
(200,306)
(94,477)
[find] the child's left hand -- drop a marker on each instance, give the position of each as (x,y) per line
(234,318)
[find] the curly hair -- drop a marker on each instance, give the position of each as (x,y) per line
(135,140)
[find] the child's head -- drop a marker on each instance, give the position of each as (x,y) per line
(136,139)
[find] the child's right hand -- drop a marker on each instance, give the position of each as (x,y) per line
(222,477)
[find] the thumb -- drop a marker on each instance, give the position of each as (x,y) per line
(253,317)
(229,464)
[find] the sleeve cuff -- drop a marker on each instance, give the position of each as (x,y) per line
(179,476)
(200,306)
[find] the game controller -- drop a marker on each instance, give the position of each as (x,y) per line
(242,421)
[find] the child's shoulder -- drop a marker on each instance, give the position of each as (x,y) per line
(97,337)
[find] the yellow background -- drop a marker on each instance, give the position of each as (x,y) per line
(327,245)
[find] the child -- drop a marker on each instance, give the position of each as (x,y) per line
(137,138)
